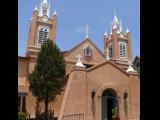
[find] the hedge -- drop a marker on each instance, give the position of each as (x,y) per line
(21,116)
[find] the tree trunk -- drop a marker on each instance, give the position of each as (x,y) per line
(46,108)
(37,108)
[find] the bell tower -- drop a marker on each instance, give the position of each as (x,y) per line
(42,27)
(117,44)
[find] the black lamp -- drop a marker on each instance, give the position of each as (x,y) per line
(93,93)
(125,94)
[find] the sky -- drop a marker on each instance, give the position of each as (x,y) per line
(74,15)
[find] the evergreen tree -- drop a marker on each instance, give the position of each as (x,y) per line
(48,77)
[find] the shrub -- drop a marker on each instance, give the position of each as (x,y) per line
(115,111)
(21,116)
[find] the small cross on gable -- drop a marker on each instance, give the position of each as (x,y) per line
(79,57)
(87,31)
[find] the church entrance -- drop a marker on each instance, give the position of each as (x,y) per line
(109,104)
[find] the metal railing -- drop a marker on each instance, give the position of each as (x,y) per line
(74,117)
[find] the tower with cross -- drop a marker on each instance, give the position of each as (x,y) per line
(118,42)
(42,27)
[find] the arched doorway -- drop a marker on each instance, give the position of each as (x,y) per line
(109,104)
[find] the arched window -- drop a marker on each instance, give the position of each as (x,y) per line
(122,49)
(87,51)
(42,34)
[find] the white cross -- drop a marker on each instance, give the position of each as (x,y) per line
(79,58)
(87,29)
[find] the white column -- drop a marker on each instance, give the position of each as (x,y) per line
(79,62)
(130,68)
(107,54)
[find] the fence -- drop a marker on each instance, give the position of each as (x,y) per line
(74,117)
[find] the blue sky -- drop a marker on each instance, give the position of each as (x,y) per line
(73,15)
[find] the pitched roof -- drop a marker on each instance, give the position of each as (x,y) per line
(87,39)
(107,62)
(103,63)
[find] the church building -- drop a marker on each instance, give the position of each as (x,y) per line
(98,83)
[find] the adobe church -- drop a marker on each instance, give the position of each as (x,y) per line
(98,82)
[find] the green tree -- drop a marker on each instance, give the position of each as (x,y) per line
(21,116)
(48,76)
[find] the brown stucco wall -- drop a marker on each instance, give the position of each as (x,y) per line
(135,97)
(96,55)
(81,83)
(69,67)
(74,101)
(22,72)
(101,79)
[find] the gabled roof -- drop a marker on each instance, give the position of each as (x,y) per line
(108,62)
(64,51)
(87,39)
(103,63)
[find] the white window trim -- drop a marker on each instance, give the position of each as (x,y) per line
(90,52)
(110,44)
(44,28)
(123,43)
